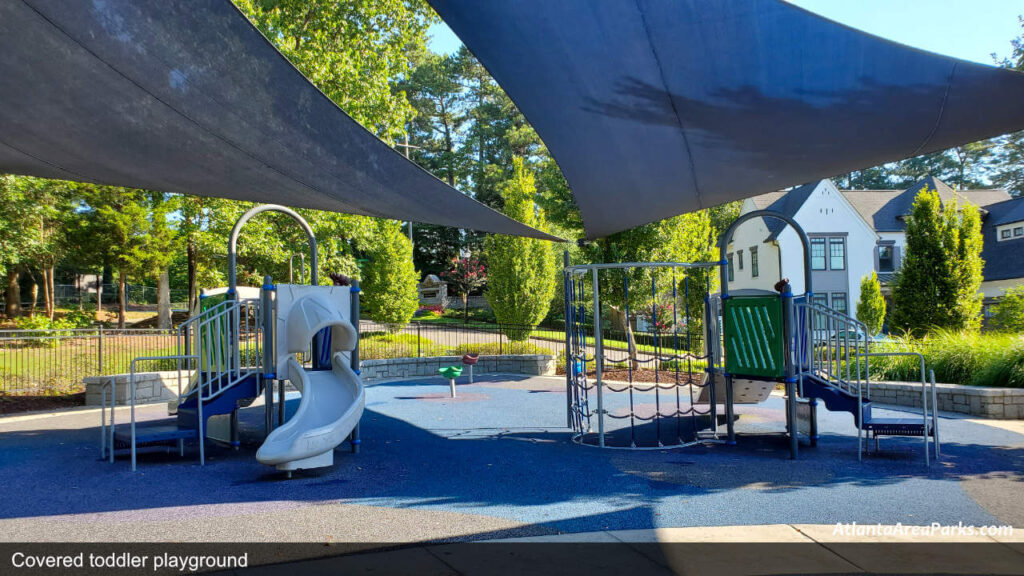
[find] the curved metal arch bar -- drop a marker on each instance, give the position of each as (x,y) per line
(233,242)
(727,238)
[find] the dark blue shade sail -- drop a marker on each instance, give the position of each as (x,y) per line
(653,108)
(189,97)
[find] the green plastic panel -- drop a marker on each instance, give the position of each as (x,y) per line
(753,336)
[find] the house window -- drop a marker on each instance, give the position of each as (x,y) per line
(732,274)
(817,253)
(885,260)
(754,270)
(839,302)
(819,319)
(739,258)
(836,254)
(1018,231)
(1004,234)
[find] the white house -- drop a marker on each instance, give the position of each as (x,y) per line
(853,232)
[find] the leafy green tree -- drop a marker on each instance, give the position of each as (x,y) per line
(163,242)
(686,238)
(871,305)
(937,284)
(32,234)
(389,278)
(1008,165)
(1008,313)
(521,271)
(352,51)
(117,225)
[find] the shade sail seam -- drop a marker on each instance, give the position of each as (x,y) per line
(672,102)
(44,161)
(180,113)
(942,111)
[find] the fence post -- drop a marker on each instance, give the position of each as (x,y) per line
(501,340)
(418,352)
(100,348)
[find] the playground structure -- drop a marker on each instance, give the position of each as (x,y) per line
(232,351)
(749,341)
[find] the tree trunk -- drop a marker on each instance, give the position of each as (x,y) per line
(51,293)
(122,299)
(99,297)
(192,257)
(620,323)
(48,292)
(13,309)
(34,295)
(163,301)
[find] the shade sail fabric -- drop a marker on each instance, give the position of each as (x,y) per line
(189,97)
(654,108)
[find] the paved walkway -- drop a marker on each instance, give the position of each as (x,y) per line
(495,463)
(767,549)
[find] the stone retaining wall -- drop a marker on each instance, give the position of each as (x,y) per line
(163,386)
(149,387)
(391,368)
(995,403)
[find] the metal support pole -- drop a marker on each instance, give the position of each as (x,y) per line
(712,354)
(354,438)
(566,280)
(268,376)
(790,368)
(100,348)
(935,415)
(598,359)
(730,411)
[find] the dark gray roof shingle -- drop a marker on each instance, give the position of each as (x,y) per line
(884,210)
(1003,260)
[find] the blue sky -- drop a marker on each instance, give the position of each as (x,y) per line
(968,29)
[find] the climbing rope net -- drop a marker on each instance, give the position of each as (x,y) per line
(642,348)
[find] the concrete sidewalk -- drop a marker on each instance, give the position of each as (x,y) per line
(761,549)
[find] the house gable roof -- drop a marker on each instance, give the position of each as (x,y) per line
(885,210)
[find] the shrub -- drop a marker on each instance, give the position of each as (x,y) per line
(1008,313)
(428,313)
(871,306)
(379,345)
(45,332)
(389,277)
(81,318)
(494,349)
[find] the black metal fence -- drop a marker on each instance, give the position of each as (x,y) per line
(425,338)
(47,360)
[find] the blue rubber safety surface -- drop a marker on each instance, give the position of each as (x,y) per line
(502,449)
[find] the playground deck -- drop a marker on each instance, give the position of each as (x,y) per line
(495,462)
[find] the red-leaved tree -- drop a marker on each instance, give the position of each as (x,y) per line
(466,274)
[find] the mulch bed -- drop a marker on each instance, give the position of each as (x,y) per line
(15,403)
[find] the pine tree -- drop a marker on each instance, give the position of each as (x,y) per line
(521,271)
(871,306)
